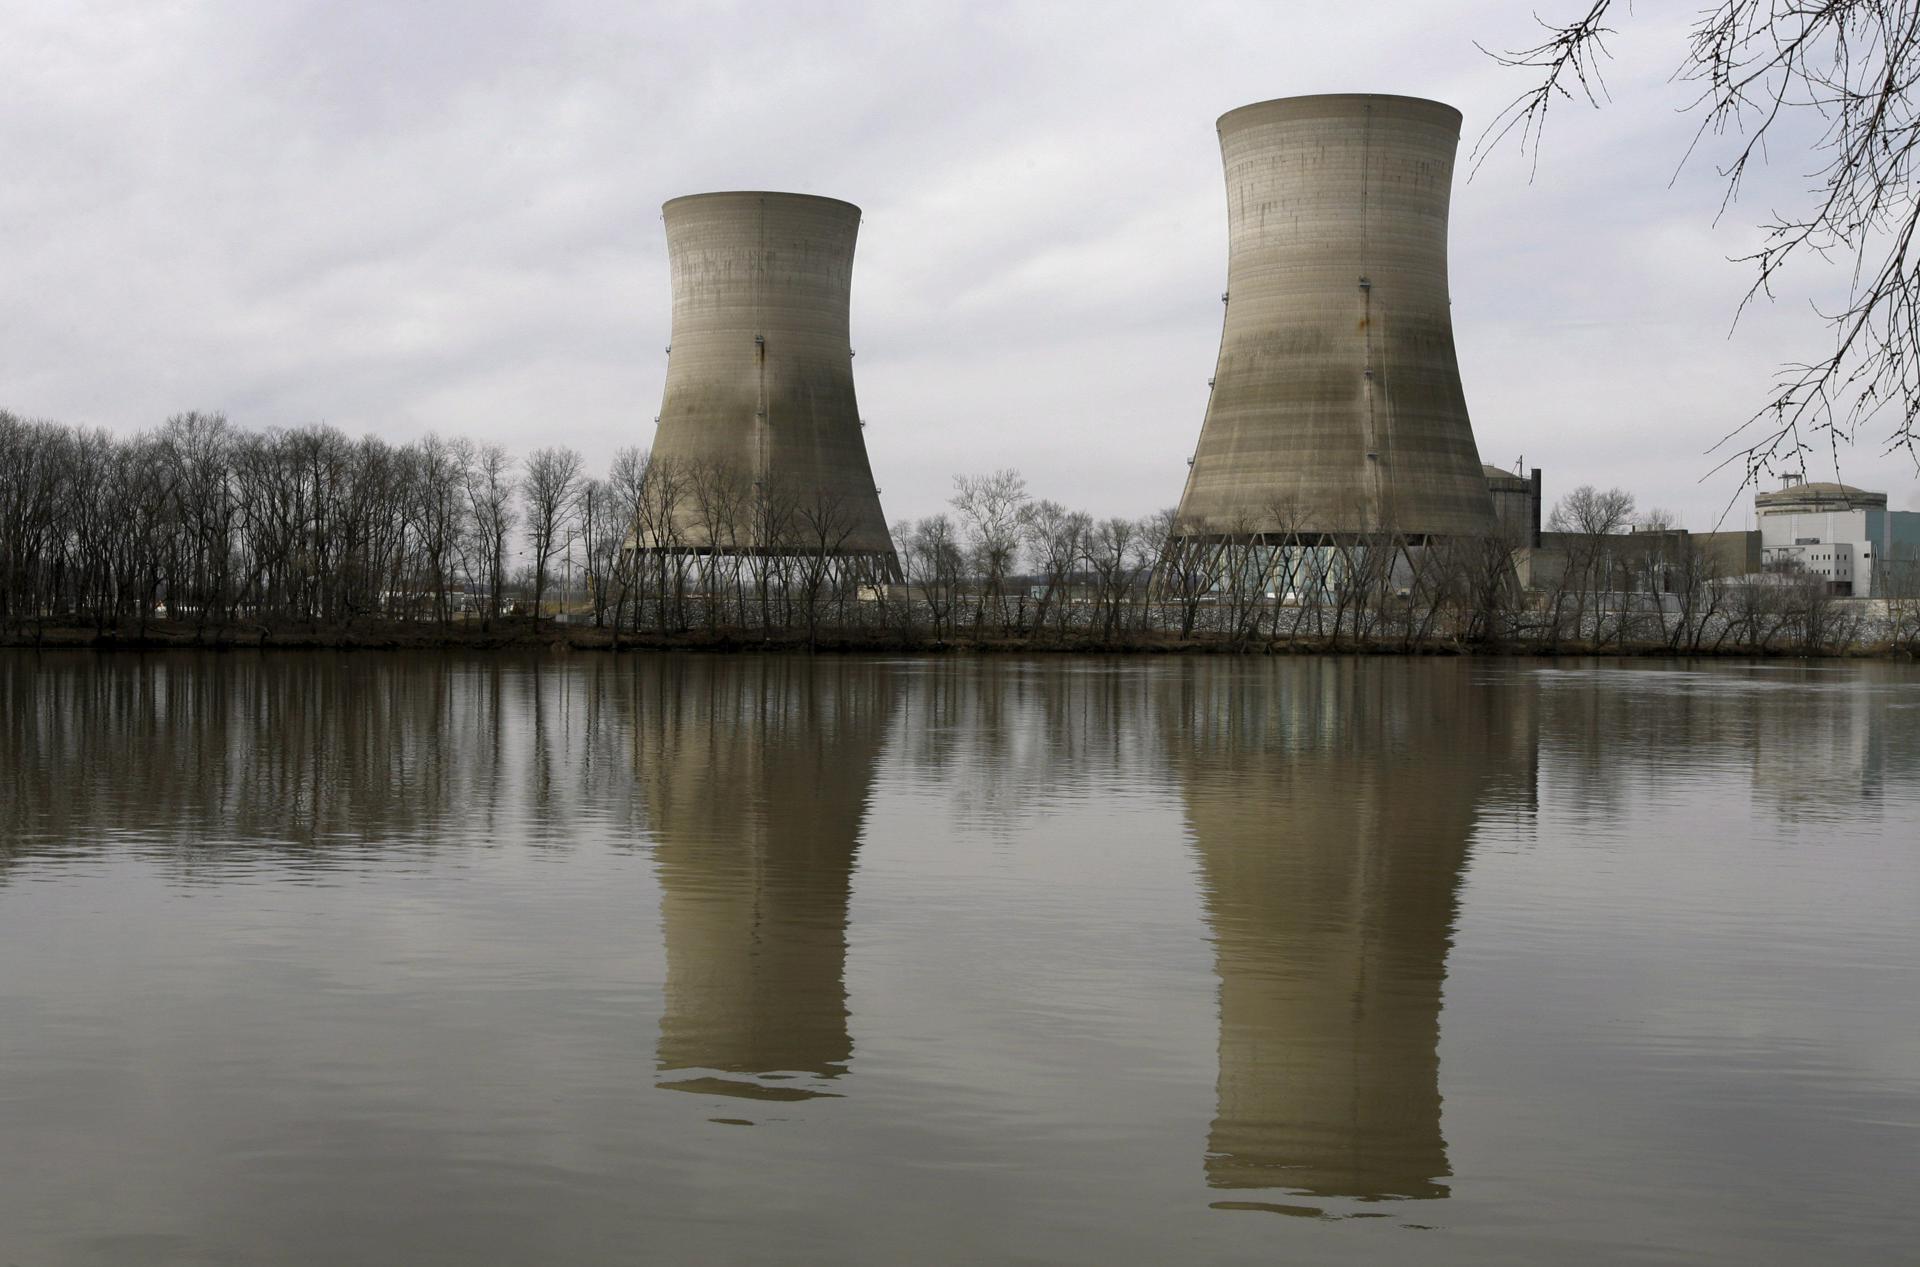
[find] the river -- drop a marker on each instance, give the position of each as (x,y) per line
(416,958)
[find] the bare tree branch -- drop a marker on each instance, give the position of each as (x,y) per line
(1853,64)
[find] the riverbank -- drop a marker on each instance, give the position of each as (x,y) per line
(524,635)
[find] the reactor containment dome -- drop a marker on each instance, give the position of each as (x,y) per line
(759,431)
(1336,409)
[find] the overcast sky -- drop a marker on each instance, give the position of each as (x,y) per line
(410,217)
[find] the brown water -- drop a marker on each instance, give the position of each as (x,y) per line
(419,959)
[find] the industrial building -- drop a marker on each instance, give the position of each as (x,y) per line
(1336,408)
(1516,505)
(1845,536)
(759,393)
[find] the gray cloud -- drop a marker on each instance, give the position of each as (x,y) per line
(436,216)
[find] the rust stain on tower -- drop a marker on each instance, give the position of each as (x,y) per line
(1337,407)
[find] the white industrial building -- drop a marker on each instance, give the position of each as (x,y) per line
(1844,535)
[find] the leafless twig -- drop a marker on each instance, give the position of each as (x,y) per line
(1853,64)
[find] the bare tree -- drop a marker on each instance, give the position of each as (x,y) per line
(31,489)
(603,530)
(627,491)
(991,508)
(720,497)
(658,536)
(1590,519)
(1490,588)
(1056,542)
(823,523)
(1760,66)
(1154,537)
(442,517)
(1248,560)
(550,490)
(732,515)
(1295,550)
(1701,588)
(1899,582)
(901,534)
(489,482)
(935,564)
(773,509)
(1118,563)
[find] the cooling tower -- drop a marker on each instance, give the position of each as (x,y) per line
(1336,406)
(759,388)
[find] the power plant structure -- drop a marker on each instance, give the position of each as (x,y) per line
(1337,413)
(759,447)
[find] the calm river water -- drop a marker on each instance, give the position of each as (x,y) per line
(418,959)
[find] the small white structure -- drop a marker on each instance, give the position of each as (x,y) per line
(1844,535)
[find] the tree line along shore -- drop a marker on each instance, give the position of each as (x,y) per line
(200,533)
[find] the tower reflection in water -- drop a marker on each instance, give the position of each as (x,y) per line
(1331,842)
(757,773)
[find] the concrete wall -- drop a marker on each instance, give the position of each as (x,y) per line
(760,375)
(1846,572)
(1629,556)
(1733,553)
(1897,570)
(1785,528)
(1841,546)
(1516,505)
(1337,405)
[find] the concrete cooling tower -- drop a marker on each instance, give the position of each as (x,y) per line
(1336,407)
(759,392)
